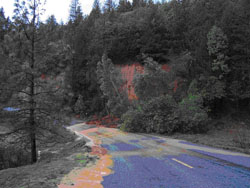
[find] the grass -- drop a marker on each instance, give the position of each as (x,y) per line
(81,158)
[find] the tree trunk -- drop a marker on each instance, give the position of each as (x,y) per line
(32,127)
(32,124)
(33,147)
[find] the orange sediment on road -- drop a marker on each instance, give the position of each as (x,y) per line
(97,150)
(164,144)
(90,177)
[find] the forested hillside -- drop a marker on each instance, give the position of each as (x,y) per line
(195,56)
(206,44)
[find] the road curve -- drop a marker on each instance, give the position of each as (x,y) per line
(129,160)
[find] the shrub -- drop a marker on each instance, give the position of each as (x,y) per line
(154,82)
(192,117)
(163,115)
(158,115)
(133,121)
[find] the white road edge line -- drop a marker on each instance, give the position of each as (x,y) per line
(182,163)
(80,136)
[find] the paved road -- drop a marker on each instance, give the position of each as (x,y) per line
(143,161)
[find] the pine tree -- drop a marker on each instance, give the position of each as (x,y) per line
(96,10)
(237,27)
(75,35)
(155,82)
(4,24)
(217,48)
(109,5)
(110,81)
(35,78)
(79,106)
(75,10)
(124,6)
(138,3)
(135,3)
(4,29)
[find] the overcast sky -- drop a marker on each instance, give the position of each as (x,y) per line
(60,8)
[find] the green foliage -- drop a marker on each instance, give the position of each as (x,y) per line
(81,158)
(212,88)
(236,26)
(35,76)
(75,10)
(217,48)
(192,117)
(154,82)
(124,6)
(79,106)
(163,115)
(158,115)
(214,35)
(110,80)
(133,121)
(160,112)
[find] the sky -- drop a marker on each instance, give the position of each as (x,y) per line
(59,8)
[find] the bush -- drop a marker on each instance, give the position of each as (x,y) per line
(154,82)
(133,121)
(163,115)
(158,115)
(192,117)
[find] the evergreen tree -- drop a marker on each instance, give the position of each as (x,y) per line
(51,26)
(79,106)
(52,20)
(150,3)
(96,10)
(109,6)
(155,82)
(217,48)
(138,3)
(236,26)
(4,24)
(110,81)
(4,29)
(34,67)
(75,10)
(124,6)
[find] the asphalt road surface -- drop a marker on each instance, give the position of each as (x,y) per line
(144,161)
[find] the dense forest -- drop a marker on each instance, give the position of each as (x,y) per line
(49,70)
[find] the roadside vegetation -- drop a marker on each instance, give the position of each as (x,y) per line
(193,72)
(51,167)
